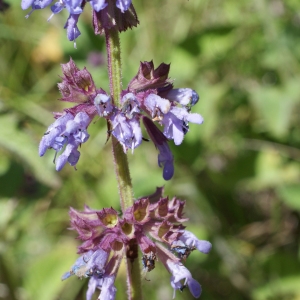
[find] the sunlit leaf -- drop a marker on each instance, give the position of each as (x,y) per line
(291,196)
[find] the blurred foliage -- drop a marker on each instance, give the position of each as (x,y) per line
(239,171)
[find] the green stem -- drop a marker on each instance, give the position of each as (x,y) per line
(134,279)
(115,83)
(122,174)
(114,64)
(120,158)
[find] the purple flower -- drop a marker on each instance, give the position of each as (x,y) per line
(103,105)
(56,8)
(71,26)
(126,131)
(180,272)
(165,157)
(184,96)
(68,131)
(106,14)
(106,284)
(97,272)
(98,4)
(93,265)
(52,138)
(165,105)
(175,123)
(151,224)
(130,105)
(157,106)
(166,160)
(190,240)
(150,96)
(73,6)
(79,268)
(108,290)
(123,5)
(94,283)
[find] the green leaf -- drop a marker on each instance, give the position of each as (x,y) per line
(291,196)
(275,106)
(43,278)
(281,287)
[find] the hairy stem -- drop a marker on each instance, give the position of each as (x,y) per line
(134,279)
(120,158)
(114,64)
(123,175)
(115,82)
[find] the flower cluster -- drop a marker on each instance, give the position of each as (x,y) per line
(149,97)
(153,224)
(107,14)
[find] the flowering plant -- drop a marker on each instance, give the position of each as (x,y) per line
(149,224)
(152,224)
(143,99)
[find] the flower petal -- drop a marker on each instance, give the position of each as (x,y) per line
(190,239)
(194,287)
(26,3)
(98,4)
(123,5)
(72,29)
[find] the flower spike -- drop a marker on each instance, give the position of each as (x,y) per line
(149,96)
(150,225)
(107,14)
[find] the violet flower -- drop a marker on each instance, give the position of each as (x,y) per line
(127,131)
(130,105)
(157,106)
(106,14)
(103,105)
(165,105)
(105,284)
(92,265)
(152,224)
(69,132)
(165,157)
(176,123)
(180,272)
(150,96)
(71,26)
(184,96)
(190,240)
(108,290)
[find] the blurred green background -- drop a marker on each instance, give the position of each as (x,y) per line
(239,171)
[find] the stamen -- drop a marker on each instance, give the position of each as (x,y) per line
(74,38)
(54,157)
(27,16)
(48,20)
